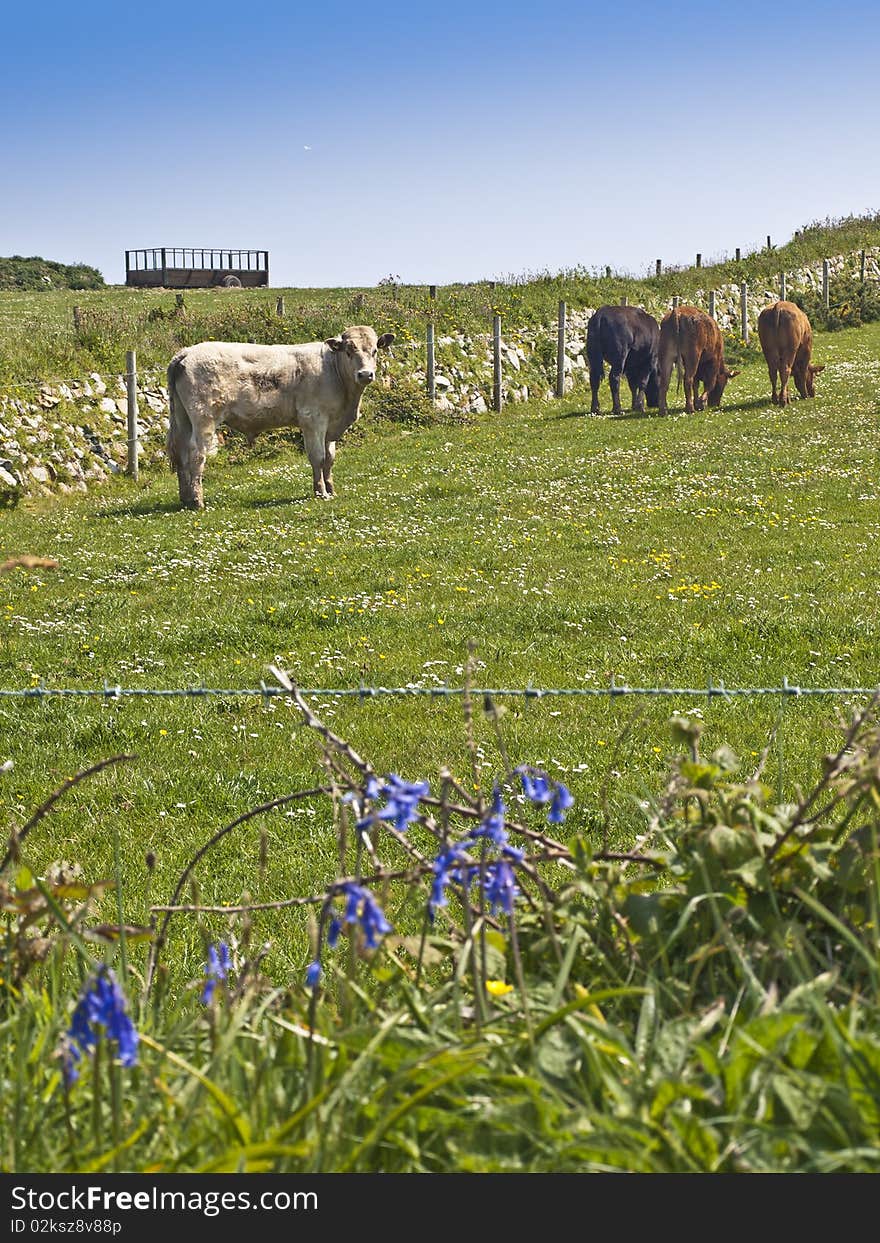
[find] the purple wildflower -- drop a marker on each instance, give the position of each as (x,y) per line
(492,826)
(562,800)
(314,972)
(540,789)
(535,784)
(500,886)
(362,908)
(450,865)
(101,1004)
(403,801)
(216,969)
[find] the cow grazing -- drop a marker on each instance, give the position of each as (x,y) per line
(787,341)
(627,338)
(690,342)
(316,387)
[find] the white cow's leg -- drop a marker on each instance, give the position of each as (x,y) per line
(313,438)
(190,473)
(329,459)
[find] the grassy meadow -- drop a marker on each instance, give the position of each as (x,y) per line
(737,546)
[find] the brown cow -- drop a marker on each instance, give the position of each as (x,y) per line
(787,341)
(690,341)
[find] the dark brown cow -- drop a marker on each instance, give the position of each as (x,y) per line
(690,341)
(787,341)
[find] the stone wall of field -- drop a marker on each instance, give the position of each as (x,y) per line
(62,437)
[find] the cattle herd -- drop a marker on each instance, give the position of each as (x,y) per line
(318,386)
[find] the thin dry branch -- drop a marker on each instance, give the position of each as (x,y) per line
(43,810)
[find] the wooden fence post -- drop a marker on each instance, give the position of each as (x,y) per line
(783,287)
(608,273)
(77,318)
(675,301)
(825,293)
(738,254)
(862,267)
(744,311)
(769,247)
(699,260)
(659,267)
(279,306)
(131,393)
(432,382)
(496,362)
(560,352)
(712,303)
(624,301)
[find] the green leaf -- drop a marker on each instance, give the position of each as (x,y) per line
(24,879)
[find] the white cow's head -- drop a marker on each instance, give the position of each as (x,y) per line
(356,351)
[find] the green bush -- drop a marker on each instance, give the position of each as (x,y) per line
(36,273)
(403,402)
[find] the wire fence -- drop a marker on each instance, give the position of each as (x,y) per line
(712,690)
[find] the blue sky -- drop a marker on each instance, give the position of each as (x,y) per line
(438,142)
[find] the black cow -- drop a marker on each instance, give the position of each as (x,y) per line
(627,338)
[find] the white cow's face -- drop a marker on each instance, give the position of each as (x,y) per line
(356,352)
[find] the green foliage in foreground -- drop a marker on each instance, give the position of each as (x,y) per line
(707,1004)
(45,274)
(39,341)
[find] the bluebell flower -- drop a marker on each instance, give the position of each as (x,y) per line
(562,800)
(314,972)
(373,921)
(101,1005)
(492,825)
(540,789)
(535,784)
(500,886)
(333,933)
(217,968)
(403,801)
(352,894)
(362,908)
(450,865)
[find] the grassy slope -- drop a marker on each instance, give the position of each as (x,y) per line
(38,340)
(737,545)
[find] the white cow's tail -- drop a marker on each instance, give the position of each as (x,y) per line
(179,425)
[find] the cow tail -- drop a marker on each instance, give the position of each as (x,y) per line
(179,425)
(678,359)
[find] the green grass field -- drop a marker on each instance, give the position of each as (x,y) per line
(737,546)
(717,1014)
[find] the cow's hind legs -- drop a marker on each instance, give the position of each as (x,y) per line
(784,372)
(690,383)
(614,383)
(773,370)
(329,459)
(637,388)
(597,373)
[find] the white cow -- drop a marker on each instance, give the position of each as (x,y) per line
(316,387)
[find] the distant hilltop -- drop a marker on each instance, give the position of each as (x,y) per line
(36,273)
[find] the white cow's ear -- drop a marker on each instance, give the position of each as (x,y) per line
(335,343)
(386,339)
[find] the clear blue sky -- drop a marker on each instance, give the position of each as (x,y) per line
(440,141)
